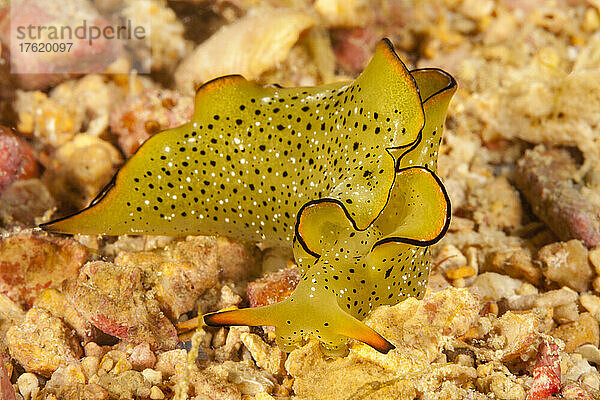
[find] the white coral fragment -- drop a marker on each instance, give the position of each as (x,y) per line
(249,46)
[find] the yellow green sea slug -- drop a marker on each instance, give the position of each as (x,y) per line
(344,173)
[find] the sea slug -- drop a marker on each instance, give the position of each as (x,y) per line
(345,173)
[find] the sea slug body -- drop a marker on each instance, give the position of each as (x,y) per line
(345,173)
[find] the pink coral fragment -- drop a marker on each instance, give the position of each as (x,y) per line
(546,374)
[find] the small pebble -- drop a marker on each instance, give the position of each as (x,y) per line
(119,364)
(152,376)
(219,338)
(449,257)
(142,357)
(92,349)
(566,313)
(459,283)
(171,362)
(516,263)
(93,391)
(493,286)
(567,264)
(591,379)
(525,302)
(106,365)
(463,271)
(574,334)
(590,353)
(143,392)
(464,359)
(555,298)
(29,385)
(156,393)
(591,303)
(90,366)
(573,391)
(527,289)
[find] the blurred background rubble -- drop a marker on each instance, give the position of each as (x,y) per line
(513,304)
